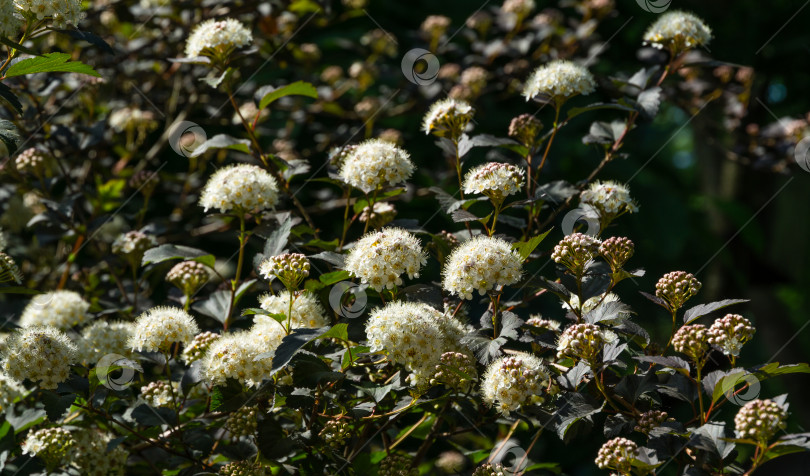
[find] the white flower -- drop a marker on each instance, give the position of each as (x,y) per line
(447,116)
(159,393)
(42,354)
(678,31)
(160,327)
(375,163)
(306,310)
(241,187)
(516,380)
(482,263)
(414,335)
(10,390)
(520,8)
(559,80)
(62,12)
(10,19)
(102,338)
(222,35)
(61,309)
(234,356)
(494,179)
(133,244)
(380,258)
(609,198)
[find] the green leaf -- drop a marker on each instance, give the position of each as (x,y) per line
(334,277)
(752,377)
(168,251)
(525,248)
(50,63)
(298,88)
(703,309)
(222,141)
(338,331)
(17,290)
(255,310)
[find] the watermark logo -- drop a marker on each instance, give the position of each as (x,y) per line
(116,372)
(654,6)
(801,154)
(743,395)
(185,136)
(348,299)
(586,214)
(509,455)
(420,66)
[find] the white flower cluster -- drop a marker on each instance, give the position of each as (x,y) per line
(10,19)
(92,455)
(617,454)
(481,264)
(199,346)
(760,419)
(159,393)
(160,327)
(102,338)
(133,244)
(61,309)
(447,117)
(53,446)
(415,335)
(130,118)
(516,380)
(375,163)
(583,341)
(730,333)
(29,160)
(678,31)
(234,356)
(10,390)
(62,12)
(306,310)
(496,180)
(217,35)
(42,354)
(559,80)
(380,258)
(242,187)
(611,199)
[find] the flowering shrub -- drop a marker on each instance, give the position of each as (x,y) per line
(242,304)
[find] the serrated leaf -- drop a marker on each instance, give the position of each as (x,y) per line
(671,362)
(338,331)
(277,241)
(649,101)
(463,216)
(334,277)
(447,201)
(557,191)
(298,88)
(525,248)
(290,345)
(222,141)
(703,309)
(607,311)
(49,63)
(216,306)
(574,408)
(336,259)
(168,251)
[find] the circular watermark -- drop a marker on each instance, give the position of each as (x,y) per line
(587,214)
(801,154)
(509,455)
(116,371)
(654,6)
(420,66)
(185,136)
(348,299)
(741,397)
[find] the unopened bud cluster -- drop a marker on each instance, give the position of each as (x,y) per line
(335,433)
(617,454)
(188,276)
(583,341)
(379,215)
(52,445)
(729,333)
(617,251)
(575,251)
(676,288)
(289,268)
(9,272)
(650,420)
(245,468)
(243,422)
(397,464)
(144,181)
(691,340)
(198,346)
(447,118)
(525,128)
(760,420)
(490,469)
(133,244)
(31,161)
(546,324)
(455,370)
(158,393)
